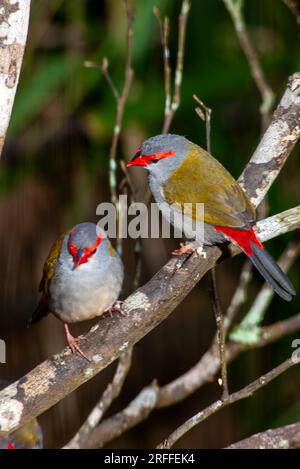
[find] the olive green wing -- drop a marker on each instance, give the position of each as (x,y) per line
(50,264)
(202,179)
(42,308)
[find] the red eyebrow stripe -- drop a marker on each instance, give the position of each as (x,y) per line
(161,155)
(89,250)
(73,249)
(144,160)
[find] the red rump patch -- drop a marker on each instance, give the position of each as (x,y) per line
(241,237)
(10,446)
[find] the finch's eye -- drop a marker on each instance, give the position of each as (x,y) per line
(154,160)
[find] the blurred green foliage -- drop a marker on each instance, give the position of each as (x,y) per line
(215,69)
(50,75)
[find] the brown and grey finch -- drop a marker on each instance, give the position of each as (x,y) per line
(181,172)
(82,278)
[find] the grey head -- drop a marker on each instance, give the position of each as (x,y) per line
(85,242)
(85,234)
(161,155)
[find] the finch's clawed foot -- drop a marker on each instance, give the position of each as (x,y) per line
(184,249)
(72,343)
(117,308)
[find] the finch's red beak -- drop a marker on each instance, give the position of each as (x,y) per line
(138,159)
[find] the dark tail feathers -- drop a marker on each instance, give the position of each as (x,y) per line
(272,273)
(40,312)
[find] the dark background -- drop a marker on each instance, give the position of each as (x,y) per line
(54,172)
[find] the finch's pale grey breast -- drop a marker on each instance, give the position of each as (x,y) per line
(90,289)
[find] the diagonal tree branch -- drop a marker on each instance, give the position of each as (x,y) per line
(58,376)
(134,413)
(247,391)
(154,397)
(275,145)
(207,367)
(287,437)
(111,392)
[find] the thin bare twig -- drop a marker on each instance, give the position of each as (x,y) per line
(172,103)
(164,26)
(183,17)
(110,394)
(240,294)
(235,8)
(238,298)
(127,179)
(209,364)
(249,328)
(247,391)
(121,100)
(204,112)
(294,8)
(220,330)
(105,70)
